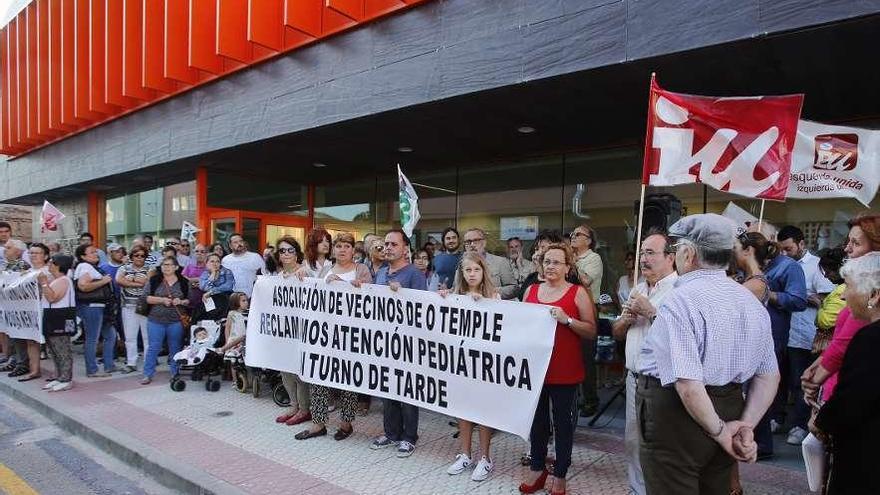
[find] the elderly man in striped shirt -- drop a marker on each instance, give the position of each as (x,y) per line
(709,337)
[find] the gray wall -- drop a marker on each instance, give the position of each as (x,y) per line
(442,49)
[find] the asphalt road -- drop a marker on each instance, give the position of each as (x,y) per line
(37,457)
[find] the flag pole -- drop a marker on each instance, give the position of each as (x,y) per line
(761,216)
(645,178)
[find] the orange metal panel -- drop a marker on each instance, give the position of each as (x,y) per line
(154,48)
(203,36)
(24,131)
(133,51)
(376,8)
(294,38)
(353,9)
(82,63)
(42,8)
(177,42)
(97,59)
(232,40)
(333,22)
(54,47)
(11,84)
(6,141)
(33,87)
(68,65)
(304,15)
(113,55)
(265,24)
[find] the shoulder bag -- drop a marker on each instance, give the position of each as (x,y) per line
(60,322)
(185,319)
(102,295)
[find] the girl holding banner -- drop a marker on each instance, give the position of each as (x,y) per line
(472,278)
(566,370)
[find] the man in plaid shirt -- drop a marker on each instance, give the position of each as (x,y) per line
(709,337)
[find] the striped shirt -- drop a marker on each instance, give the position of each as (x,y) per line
(710,329)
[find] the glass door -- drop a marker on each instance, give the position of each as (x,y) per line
(275,232)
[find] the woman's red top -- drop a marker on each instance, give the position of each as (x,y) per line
(566,362)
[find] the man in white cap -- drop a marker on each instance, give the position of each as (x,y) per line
(708,338)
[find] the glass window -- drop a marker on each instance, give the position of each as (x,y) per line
(237,192)
(152,211)
(347,207)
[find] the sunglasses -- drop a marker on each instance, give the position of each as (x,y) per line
(138,256)
(378,248)
(172,243)
(287,250)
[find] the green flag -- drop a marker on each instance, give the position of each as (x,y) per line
(409,203)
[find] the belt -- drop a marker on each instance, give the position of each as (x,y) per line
(645,381)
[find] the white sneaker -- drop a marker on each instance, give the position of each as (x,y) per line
(775,427)
(481,472)
(61,387)
(51,384)
(462,462)
(796,436)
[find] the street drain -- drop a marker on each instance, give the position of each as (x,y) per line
(222,414)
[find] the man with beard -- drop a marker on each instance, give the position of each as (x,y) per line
(243,264)
(446,261)
(657,262)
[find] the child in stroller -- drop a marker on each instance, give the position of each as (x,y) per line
(199,357)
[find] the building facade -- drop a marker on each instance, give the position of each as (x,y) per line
(509,115)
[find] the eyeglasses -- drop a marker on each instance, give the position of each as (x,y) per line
(379,248)
(167,265)
(574,235)
(287,250)
(468,242)
(138,256)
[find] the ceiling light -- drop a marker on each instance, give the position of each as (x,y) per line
(319,165)
(405,149)
(525,129)
(294,206)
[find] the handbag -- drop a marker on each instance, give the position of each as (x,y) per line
(102,295)
(185,319)
(60,322)
(141,306)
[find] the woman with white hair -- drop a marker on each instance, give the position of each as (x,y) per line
(852,416)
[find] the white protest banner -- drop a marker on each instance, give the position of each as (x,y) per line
(20,306)
(832,161)
(483,361)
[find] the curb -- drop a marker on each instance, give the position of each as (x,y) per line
(164,469)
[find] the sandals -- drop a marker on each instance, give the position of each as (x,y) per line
(7,368)
(307,434)
(19,372)
(27,378)
(342,434)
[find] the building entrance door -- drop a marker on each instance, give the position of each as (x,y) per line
(258,229)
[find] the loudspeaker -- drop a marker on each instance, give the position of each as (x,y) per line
(661,211)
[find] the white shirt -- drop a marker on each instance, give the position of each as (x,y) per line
(635,336)
(803,323)
(84,268)
(244,268)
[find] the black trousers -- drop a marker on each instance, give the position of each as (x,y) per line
(676,454)
(563,401)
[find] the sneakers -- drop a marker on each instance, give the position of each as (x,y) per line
(775,428)
(462,462)
(481,472)
(61,387)
(796,436)
(51,384)
(382,442)
(405,449)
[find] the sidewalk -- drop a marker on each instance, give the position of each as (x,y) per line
(227,442)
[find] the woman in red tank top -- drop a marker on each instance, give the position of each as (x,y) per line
(571,307)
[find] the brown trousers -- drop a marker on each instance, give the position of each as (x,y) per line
(676,455)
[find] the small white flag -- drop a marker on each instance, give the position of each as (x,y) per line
(831,161)
(188,231)
(409,203)
(50,217)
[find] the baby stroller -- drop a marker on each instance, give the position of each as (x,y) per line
(255,378)
(199,358)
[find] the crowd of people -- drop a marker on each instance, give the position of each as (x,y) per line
(721,329)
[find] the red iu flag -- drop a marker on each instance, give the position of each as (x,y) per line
(740,145)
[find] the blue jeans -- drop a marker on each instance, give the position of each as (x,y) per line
(93,321)
(158,332)
(401,421)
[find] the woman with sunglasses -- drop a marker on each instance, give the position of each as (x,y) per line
(132,277)
(288,258)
